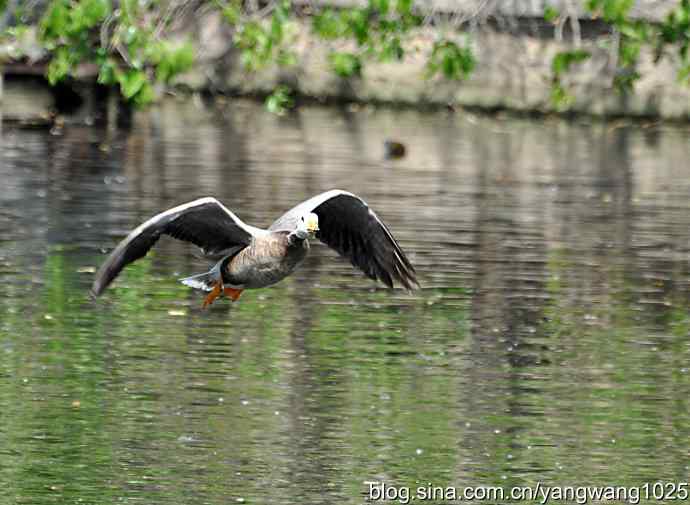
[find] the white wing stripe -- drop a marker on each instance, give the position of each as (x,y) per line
(195,203)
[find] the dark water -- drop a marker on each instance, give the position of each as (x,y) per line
(551,341)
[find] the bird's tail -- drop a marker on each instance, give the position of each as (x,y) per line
(213,277)
(205,281)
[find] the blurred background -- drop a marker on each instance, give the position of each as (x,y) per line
(531,160)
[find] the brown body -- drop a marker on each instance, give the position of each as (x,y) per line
(268,259)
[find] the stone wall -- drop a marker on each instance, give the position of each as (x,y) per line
(513,71)
(514,49)
(652,10)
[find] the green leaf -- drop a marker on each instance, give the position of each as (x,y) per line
(87,14)
(171,61)
(625,80)
(60,65)
(629,52)
(106,72)
(280,100)
(346,64)
(379,6)
(684,74)
(593,5)
(278,20)
(329,24)
(563,60)
(232,12)
(453,61)
(392,49)
(55,21)
(560,98)
(404,7)
(129,10)
(615,11)
(551,14)
(358,24)
(256,44)
(131,82)
(145,96)
(286,58)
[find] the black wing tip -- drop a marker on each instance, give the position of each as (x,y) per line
(97,289)
(410,284)
(413,285)
(396,274)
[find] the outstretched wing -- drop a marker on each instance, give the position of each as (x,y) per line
(348,225)
(205,222)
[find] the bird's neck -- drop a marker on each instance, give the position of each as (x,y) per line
(294,239)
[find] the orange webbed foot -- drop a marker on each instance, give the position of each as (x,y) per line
(211,297)
(233,293)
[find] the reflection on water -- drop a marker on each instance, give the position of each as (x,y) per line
(550,342)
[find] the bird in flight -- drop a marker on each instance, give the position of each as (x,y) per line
(248,257)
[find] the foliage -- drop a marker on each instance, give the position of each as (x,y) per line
(560,65)
(129,43)
(122,43)
(346,64)
(629,36)
(451,60)
(676,31)
(280,100)
(262,42)
(377,29)
(564,60)
(550,14)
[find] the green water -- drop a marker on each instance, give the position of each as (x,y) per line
(550,342)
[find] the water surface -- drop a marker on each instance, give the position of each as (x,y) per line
(550,341)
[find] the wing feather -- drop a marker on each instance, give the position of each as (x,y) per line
(348,225)
(205,223)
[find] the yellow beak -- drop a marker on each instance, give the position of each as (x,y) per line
(312,225)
